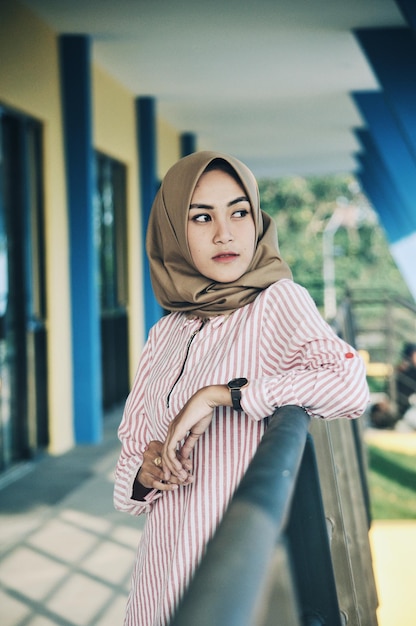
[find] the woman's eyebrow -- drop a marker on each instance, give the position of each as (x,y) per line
(208,206)
(200,206)
(237,200)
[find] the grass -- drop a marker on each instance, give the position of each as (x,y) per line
(392,484)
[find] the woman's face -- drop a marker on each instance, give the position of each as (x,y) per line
(221,231)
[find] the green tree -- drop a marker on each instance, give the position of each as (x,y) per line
(302,209)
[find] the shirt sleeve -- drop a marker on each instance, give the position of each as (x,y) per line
(134,433)
(304,362)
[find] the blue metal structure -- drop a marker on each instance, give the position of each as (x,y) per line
(392,55)
(393,150)
(387,164)
(408,8)
(382,191)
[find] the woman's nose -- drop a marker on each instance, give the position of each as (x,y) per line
(223,232)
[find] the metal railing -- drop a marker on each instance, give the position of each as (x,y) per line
(380,323)
(292,548)
(275,517)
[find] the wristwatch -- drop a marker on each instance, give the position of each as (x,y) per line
(235,385)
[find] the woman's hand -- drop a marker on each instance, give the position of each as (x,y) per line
(190,423)
(151,474)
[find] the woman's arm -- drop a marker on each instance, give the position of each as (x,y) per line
(135,435)
(304,363)
(321,372)
(139,478)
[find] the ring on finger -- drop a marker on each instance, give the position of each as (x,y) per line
(158,461)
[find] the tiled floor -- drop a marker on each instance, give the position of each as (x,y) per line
(67,563)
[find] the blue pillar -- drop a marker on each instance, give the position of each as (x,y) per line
(392,148)
(188,144)
(146,142)
(85,314)
(392,54)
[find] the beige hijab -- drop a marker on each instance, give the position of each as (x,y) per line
(177,284)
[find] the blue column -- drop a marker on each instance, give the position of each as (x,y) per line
(188,144)
(392,55)
(86,346)
(146,142)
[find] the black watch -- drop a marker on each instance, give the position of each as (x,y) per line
(235,385)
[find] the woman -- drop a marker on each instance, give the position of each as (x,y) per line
(187,439)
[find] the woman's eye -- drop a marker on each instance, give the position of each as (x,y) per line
(201,218)
(240,213)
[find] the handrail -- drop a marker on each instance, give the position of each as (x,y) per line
(233,572)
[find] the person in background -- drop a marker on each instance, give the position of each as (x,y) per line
(241,339)
(406,379)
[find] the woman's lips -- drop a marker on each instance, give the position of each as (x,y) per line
(225,256)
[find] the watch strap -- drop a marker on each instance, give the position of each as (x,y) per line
(235,385)
(236,399)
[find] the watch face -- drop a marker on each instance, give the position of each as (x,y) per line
(237,383)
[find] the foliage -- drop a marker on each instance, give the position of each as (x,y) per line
(303,208)
(392,484)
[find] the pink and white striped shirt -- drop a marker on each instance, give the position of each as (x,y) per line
(289,354)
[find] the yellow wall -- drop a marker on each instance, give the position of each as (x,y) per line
(168,146)
(115,135)
(29,82)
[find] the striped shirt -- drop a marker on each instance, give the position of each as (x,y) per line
(289,354)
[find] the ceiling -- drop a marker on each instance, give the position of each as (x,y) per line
(267,81)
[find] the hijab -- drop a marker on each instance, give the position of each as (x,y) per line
(177,284)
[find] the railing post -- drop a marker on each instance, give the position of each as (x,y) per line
(345,510)
(310,549)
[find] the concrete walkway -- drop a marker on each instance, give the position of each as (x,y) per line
(65,554)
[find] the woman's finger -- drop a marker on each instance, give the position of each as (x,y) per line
(154,479)
(189,445)
(186,462)
(171,462)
